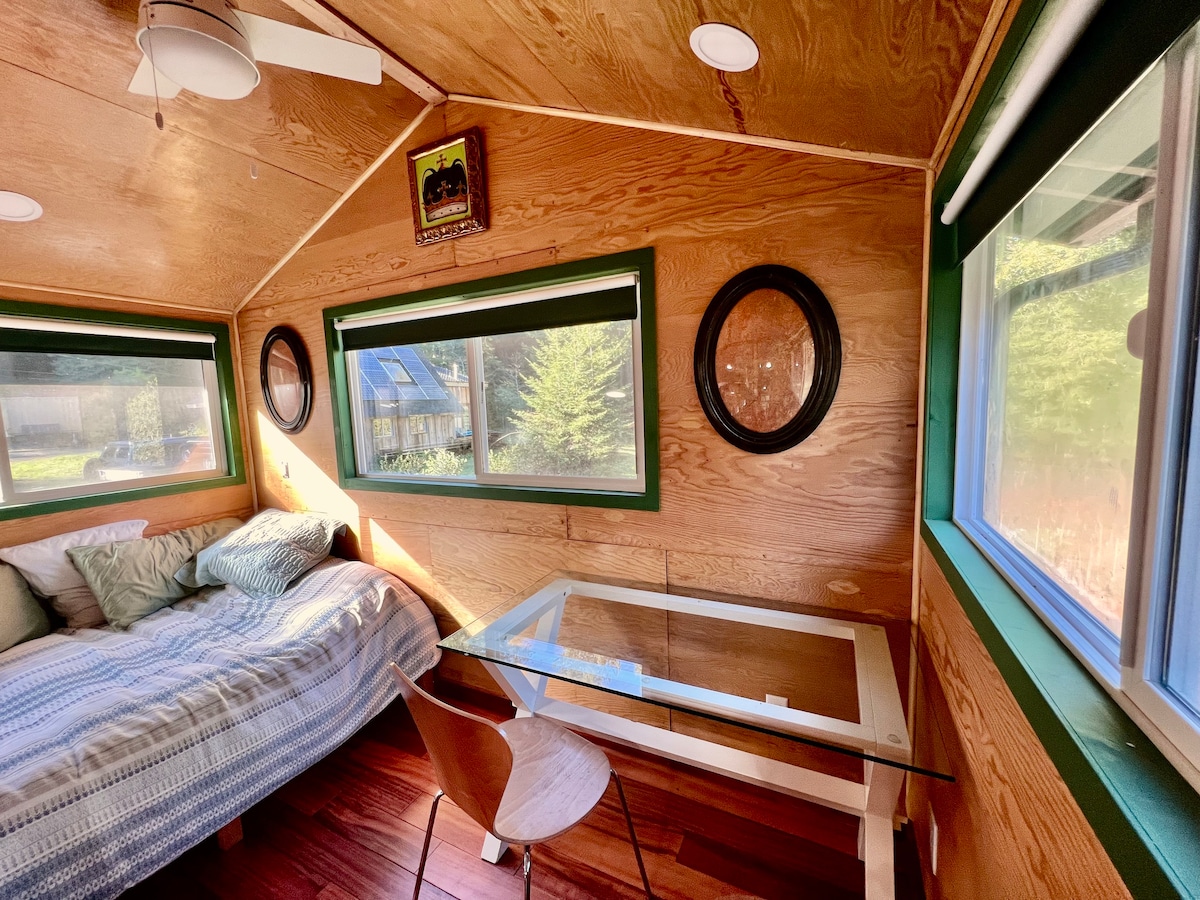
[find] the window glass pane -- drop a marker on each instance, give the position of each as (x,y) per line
(1182,669)
(414,410)
(560,402)
(1071,272)
(80,419)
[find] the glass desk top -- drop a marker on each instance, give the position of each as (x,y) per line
(803,677)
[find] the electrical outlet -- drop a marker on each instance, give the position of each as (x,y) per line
(776,700)
(933,841)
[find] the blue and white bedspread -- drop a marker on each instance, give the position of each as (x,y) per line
(120,750)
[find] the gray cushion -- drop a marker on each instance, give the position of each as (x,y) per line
(132,579)
(269,552)
(21,616)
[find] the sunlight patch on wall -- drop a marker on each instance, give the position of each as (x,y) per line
(291,480)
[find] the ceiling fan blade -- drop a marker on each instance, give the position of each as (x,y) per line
(143,82)
(299,48)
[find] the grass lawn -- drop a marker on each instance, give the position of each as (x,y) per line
(65,468)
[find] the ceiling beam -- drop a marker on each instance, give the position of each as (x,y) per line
(334,23)
(732,137)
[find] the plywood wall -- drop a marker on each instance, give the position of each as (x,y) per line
(827,523)
(1009,828)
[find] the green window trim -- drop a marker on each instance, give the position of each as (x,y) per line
(1145,814)
(220,351)
(615,303)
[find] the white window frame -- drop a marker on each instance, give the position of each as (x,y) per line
(478,400)
(1131,667)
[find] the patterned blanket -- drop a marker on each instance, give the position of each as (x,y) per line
(120,750)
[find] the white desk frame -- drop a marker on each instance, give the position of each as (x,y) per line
(881,731)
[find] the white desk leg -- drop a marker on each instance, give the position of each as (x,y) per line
(493,848)
(875,831)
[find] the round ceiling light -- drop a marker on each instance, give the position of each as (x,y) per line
(16,207)
(724,47)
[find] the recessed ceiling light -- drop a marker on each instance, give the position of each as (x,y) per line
(18,208)
(724,47)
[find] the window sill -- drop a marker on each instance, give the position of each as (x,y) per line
(1144,812)
(608,499)
(67,504)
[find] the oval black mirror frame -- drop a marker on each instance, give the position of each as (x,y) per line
(827,345)
(304,369)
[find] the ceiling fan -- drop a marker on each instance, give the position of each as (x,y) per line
(212,48)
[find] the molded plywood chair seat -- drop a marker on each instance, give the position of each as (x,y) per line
(525,781)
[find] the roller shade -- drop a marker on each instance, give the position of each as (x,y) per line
(20,334)
(604,300)
(1123,40)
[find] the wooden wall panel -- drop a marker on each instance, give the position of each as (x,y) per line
(164,513)
(826,523)
(1009,827)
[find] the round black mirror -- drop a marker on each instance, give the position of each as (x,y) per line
(768,359)
(286,378)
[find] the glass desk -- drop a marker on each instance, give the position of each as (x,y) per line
(703,665)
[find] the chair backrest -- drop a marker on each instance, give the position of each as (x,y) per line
(469,754)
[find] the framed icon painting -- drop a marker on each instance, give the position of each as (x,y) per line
(446,179)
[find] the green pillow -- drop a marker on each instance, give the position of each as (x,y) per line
(269,552)
(132,579)
(21,616)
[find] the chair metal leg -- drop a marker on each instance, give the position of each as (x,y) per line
(425,849)
(637,851)
(528,870)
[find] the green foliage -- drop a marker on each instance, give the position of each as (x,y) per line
(1071,388)
(143,418)
(505,364)
(432,463)
(569,425)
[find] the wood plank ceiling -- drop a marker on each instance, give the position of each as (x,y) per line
(173,216)
(876,76)
(176,216)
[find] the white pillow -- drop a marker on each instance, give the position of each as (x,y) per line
(50,572)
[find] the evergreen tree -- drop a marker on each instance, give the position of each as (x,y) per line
(570,424)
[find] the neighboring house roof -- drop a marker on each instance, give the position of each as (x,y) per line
(424,395)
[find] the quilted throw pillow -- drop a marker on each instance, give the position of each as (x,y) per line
(270,551)
(50,573)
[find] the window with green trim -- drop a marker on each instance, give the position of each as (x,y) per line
(95,406)
(1076,392)
(537,386)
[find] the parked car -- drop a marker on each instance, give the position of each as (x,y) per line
(127,460)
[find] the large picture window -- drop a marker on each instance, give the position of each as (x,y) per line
(538,386)
(92,410)
(1077,425)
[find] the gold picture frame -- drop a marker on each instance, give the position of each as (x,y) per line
(446,180)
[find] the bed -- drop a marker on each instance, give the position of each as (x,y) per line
(119,750)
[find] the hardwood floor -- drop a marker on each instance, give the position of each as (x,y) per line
(351,827)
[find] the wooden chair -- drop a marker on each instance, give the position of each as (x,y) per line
(526,780)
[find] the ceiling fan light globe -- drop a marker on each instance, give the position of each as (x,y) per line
(202,48)
(199,63)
